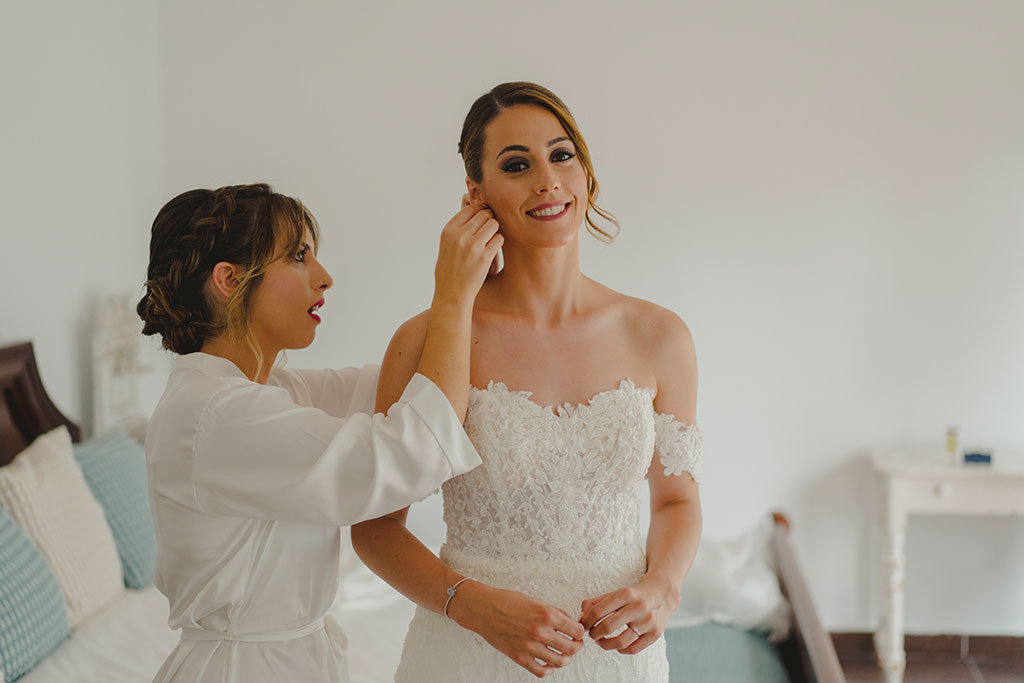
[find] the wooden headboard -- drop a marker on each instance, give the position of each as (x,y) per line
(26,410)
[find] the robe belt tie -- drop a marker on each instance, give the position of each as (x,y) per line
(265,637)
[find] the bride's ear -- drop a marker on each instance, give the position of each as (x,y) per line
(475,193)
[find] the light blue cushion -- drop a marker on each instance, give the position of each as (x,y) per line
(33,618)
(713,653)
(114,466)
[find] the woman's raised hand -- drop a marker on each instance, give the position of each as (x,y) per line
(629,619)
(496,263)
(469,245)
(533,634)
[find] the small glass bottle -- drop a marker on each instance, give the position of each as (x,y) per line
(952,446)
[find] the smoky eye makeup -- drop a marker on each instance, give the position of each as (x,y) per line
(514,165)
(562,154)
(301,254)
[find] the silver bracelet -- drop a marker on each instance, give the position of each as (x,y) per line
(452,592)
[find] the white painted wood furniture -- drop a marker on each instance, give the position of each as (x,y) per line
(927,483)
(115,365)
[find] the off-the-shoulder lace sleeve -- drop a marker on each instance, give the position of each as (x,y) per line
(680,446)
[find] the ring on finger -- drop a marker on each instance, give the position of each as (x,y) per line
(633,629)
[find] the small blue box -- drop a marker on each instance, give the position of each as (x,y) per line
(978,458)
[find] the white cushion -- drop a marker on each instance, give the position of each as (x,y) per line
(44,491)
(733,583)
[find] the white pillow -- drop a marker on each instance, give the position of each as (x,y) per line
(44,491)
(732,582)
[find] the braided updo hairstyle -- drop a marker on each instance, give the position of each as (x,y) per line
(246,225)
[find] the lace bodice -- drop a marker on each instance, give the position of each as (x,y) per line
(561,483)
(553,512)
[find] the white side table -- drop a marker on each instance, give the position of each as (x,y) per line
(925,483)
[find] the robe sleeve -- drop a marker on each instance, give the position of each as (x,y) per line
(336,392)
(259,454)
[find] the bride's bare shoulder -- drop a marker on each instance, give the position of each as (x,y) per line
(658,332)
(657,322)
(407,341)
(667,344)
(646,320)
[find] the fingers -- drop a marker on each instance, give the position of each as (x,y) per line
(561,637)
(466,226)
(622,620)
(465,213)
(537,668)
(639,644)
(479,236)
(620,641)
(472,221)
(568,628)
(470,211)
(549,656)
(547,653)
(553,644)
(587,619)
(488,228)
(493,246)
(541,660)
(596,609)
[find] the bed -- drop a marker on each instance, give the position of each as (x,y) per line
(127,638)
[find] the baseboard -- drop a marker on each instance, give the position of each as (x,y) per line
(951,648)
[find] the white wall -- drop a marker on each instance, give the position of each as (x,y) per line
(829,195)
(79,174)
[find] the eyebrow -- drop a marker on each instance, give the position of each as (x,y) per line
(521,148)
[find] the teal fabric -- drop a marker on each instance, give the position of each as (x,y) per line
(33,618)
(114,466)
(712,653)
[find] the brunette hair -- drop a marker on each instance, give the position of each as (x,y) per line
(249,226)
(506,95)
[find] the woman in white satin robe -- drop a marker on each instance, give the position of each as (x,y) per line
(252,471)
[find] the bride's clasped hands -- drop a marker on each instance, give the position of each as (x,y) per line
(631,618)
(533,634)
(541,638)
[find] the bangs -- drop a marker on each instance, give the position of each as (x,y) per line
(290,219)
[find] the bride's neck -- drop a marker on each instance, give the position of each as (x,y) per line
(545,285)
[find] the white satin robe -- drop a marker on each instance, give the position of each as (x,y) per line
(249,485)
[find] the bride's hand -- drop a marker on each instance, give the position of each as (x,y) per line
(533,634)
(629,619)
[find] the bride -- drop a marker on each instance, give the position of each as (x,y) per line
(579,394)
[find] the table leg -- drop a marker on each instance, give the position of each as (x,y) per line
(892,568)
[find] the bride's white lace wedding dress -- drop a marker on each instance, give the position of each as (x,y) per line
(553,513)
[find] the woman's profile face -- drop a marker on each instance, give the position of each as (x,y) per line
(532,179)
(285,304)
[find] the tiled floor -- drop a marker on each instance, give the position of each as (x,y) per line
(967,671)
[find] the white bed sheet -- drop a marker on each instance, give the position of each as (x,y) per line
(124,643)
(129,640)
